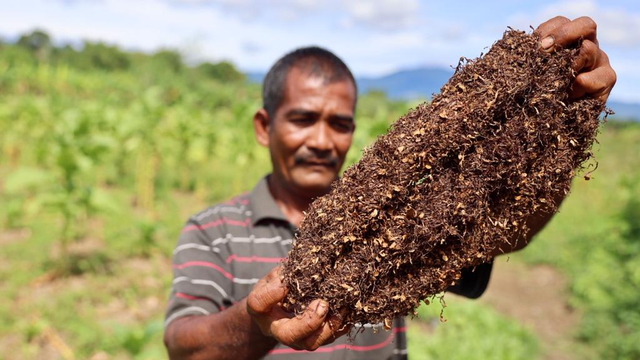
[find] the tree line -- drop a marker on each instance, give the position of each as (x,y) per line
(38,47)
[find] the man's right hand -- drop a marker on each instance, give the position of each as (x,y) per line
(303,332)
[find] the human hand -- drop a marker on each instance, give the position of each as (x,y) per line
(594,75)
(304,332)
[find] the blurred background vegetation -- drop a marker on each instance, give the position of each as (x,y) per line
(105,153)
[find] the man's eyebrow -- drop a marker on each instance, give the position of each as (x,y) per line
(301,112)
(313,114)
(341,117)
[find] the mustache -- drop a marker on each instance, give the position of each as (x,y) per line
(303,158)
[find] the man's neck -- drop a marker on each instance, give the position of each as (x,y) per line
(290,203)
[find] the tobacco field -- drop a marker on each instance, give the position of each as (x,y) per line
(105,153)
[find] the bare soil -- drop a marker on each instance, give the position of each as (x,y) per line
(536,297)
(14,235)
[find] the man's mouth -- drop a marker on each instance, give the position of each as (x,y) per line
(329,162)
(319,163)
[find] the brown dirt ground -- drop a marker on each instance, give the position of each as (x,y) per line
(536,297)
(14,235)
(51,344)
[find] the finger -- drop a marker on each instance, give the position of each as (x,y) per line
(266,294)
(570,33)
(587,57)
(548,26)
(274,273)
(293,330)
(338,330)
(597,83)
(331,330)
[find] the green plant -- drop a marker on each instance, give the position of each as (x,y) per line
(471,331)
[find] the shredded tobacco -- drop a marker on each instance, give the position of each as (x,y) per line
(445,186)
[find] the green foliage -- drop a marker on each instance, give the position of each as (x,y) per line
(102,56)
(26,180)
(168,59)
(147,238)
(96,262)
(37,47)
(37,42)
(610,298)
(222,71)
(471,331)
(134,340)
(14,55)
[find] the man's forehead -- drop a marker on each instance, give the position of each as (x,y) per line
(299,80)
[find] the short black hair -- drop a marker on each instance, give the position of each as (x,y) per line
(312,60)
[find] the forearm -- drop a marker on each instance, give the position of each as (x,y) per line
(230,334)
(535,224)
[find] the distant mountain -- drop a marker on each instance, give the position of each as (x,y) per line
(423,82)
(404,84)
(407,84)
(255,77)
(624,111)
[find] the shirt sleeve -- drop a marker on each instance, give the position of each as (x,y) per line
(202,280)
(473,282)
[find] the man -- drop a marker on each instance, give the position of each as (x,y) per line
(222,304)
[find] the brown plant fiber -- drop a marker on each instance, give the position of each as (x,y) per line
(449,182)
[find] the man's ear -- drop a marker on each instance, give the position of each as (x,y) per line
(261,127)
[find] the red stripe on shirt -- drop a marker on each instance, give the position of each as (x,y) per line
(203,264)
(333,348)
(190,297)
(253,258)
(218,222)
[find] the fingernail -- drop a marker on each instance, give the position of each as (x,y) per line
(322,308)
(547,42)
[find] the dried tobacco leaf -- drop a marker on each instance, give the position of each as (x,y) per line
(448,183)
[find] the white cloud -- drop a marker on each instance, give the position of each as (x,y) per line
(616,26)
(202,33)
(383,14)
(254,9)
(374,14)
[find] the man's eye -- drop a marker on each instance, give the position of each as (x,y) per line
(343,125)
(301,121)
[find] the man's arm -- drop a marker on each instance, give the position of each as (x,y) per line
(535,224)
(252,327)
(229,334)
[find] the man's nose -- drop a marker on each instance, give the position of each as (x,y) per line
(320,139)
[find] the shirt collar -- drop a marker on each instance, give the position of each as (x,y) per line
(263,206)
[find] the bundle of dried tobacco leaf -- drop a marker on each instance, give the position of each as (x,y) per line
(448,183)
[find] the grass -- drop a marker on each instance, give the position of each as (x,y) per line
(471,331)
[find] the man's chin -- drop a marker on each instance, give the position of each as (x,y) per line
(315,185)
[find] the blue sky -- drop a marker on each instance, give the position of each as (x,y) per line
(374,37)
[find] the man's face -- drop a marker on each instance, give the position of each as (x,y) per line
(311,132)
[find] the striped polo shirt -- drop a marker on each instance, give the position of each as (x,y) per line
(224,250)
